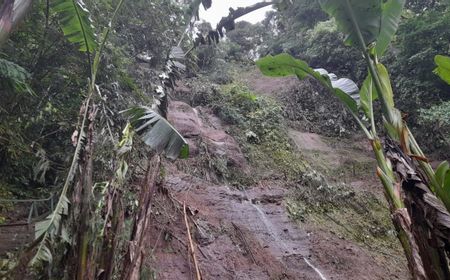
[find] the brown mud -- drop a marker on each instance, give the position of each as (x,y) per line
(248,233)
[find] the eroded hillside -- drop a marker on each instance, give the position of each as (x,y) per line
(268,200)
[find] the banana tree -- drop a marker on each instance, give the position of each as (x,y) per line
(419,197)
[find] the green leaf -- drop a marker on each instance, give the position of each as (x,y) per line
(49,228)
(347,100)
(442,172)
(392,11)
(367,95)
(11,71)
(377,20)
(443,67)
(367,15)
(76,23)
(285,65)
(387,93)
(157,132)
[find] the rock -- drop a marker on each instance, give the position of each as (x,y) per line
(185,119)
(200,125)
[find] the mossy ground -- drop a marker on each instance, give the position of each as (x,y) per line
(321,191)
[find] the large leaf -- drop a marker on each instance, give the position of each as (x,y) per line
(376,19)
(76,23)
(392,11)
(367,15)
(443,67)
(157,132)
(48,229)
(388,94)
(285,65)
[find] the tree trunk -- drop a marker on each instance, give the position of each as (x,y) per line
(139,235)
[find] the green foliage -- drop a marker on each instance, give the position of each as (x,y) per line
(238,105)
(299,14)
(437,114)
(49,229)
(419,39)
(367,95)
(420,6)
(365,13)
(443,178)
(375,20)
(245,39)
(13,75)
(158,133)
(322,48)
(259,127)
(285,65)
(443,67)
(392,10)
(76,23)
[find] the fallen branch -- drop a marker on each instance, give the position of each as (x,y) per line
(191,244)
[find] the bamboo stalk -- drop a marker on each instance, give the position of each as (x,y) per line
(191,244)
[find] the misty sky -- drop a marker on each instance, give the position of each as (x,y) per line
(220,8)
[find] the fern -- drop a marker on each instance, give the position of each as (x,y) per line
(76,23)
(14,75)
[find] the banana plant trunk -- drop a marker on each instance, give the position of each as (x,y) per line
(139,236)
(427,222)
(84,256)
(112,235)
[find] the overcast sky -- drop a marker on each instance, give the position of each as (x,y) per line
(220,8)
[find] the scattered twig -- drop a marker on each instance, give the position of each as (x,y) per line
(191,244)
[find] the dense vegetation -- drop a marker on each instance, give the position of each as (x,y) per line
(70,72)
